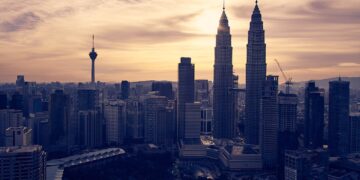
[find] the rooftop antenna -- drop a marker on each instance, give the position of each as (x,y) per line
(93,37)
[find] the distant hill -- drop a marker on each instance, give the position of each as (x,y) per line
(324,83)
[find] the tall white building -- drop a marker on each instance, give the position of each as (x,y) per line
(18,136)
(115,121)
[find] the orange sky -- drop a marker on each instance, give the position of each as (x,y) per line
(144,39)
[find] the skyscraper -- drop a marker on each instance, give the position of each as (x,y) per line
(93,56)
(339,124)
(59,118)
(192,121)
(186,92)
(287,126)
(115,122)
(269,123)
(125,90)
(314,116)
(255,76)
(223,82)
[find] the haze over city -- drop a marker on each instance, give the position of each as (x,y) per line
(143,39)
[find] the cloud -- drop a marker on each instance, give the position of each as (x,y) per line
(24,21)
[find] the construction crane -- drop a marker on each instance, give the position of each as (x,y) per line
(288,81)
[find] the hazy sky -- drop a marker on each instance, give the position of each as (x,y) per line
(144,39)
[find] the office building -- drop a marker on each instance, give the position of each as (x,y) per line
(125,90)
(60,118)
(3,100)
(9,118)
(206,120)
(115,122)
(192,121)
(23,162)
(355,133)
(186,92)
(90,129)
(339,124)
(269,123)
(202,92)
(306,164)
(18,136)
(314,116)
(164,88)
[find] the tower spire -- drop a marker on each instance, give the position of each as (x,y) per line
(224,5)
(256,1)
(93,43)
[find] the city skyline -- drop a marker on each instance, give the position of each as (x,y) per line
(297,34)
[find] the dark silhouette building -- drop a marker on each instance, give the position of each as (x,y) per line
(59,119)
(224,126)
(314,116)
(125,90)
(255,76)
(164,88)
(3,100)
(17,101)
(93,56)
(269,123)
(339,124)
(287,126)
(87,99)
(186,92)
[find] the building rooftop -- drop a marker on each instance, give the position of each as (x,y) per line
(20,149)
(55,168)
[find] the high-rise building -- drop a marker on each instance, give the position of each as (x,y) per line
(39,123)
(59,118)
(125,90)
(339,124)
(164,88)
(87,99)
(17,101)
(93,56)
(223,82)
(90,129)
(9,118)
(306,164)
(255,76)
(18,136)
(153,106)
(134,127)
(206,120)
(115,122)
(20,80)
(314,116)
(186,92)
(287,125)
(202,91)
(166,126)
(3,100)
(355,133)
(269,123)
(192,121)
(23,162)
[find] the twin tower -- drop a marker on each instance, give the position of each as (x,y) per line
(225,82)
